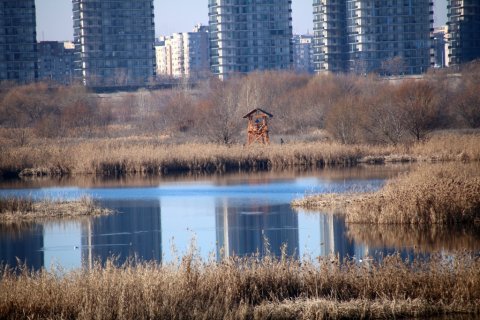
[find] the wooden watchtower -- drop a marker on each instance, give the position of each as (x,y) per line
(258,126)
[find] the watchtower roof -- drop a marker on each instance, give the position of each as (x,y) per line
(258,110)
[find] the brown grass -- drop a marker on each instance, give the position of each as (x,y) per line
(150,155)
(22,210)
(247,288)
(444,194)
(431,194)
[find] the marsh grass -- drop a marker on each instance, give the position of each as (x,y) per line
(150,155)
(246,288)
(16,210)
(444,194)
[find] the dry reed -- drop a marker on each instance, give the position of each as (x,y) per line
(25,209)
(150,155)
(247,288)
(443,194)
(434,194)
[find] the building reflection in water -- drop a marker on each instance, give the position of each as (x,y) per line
(248,228)
(333,238)
(24,243)
(336,240)
(133,232)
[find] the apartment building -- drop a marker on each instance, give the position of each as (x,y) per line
(303,53)
(18,41)
(248,35)
(440,47)
(364,36)
(184,54)
(464,31)
(114,42)
(56,61)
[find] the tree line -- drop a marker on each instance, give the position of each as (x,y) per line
(352,109)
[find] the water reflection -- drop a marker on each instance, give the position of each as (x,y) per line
(244,229)
(420,239)
(133,232)
(227,215)
(335,238)
(92,181)
(334,241)
(24,243)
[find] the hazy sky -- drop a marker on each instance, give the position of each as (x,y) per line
(54,17)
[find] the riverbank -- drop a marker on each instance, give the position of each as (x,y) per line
(248,288)
(14,210)
(443,194)
(148,155)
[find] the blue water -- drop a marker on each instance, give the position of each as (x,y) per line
(163,220)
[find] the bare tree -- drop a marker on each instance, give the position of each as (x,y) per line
(420,110)
(342,121)
(467,104)
(394,66)
(223,117)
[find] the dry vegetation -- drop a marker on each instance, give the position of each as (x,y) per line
(445,194)
(324,119)
(17,210)
(147,155)
(247,288)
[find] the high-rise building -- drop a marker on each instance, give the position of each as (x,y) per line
(303,53)
(440,47)
(162,56)
(56,61)
(330,35)
(365,36)
(464,30)
(18,41)
(184,54)
(197,52)
(248,35)
(114,42)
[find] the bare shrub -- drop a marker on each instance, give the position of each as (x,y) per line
(420,109)
(342,121)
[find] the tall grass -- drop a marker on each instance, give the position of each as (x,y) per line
(247,288)
(443,194)
(434,194)
(149,155)
(15,204)
(14,210)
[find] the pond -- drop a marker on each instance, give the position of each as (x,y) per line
(161,219)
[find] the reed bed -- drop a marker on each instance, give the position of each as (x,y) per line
(247,288)
(444,194)
(16,210)
(151,155)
